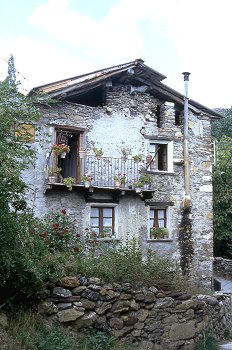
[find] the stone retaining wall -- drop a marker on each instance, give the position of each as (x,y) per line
(149,317)
(223,267)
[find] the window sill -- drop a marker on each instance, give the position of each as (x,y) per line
(159,240)
(160,172)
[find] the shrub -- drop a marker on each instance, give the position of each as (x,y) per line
(30,332)
(126,263)
(208,343)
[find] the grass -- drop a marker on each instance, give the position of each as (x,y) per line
(27,331)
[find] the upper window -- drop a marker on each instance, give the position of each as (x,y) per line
(161,154)
(25,132)
(102,221)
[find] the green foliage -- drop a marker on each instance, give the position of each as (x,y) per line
(30,333)
(126,263)
(99,340)
(222,183)
(208,343)
(223,127)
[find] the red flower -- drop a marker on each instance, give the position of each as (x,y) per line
(63,211)
(43,234)
(78,235)
(77,249)
(94,234)
(55,226)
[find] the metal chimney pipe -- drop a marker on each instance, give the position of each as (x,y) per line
(187,200)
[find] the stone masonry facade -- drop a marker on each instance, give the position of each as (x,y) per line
(148,317)
(135,121)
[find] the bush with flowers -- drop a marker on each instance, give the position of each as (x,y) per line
(60,148)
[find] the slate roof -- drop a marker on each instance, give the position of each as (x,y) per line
(135,73)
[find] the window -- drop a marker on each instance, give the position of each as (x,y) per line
(102,221)
(26,132)
(161,154)
(158,223)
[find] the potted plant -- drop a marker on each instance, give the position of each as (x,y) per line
(146,180)
(87,180)
(69,181)
(119,179)
(60,149)
(52,177)
(159,232)
(138,186)
(126,151)
(98,152)
(137,158)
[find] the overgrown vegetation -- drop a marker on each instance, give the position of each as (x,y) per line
(208,343)
(29,332)
(222,184)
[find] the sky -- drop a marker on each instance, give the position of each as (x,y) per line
(57,39)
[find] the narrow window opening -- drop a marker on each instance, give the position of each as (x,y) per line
(177,118)
(162,157)
(158,116)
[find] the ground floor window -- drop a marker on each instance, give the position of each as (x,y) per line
(158,223)
(102,221)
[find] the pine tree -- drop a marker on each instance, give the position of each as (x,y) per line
(11,76)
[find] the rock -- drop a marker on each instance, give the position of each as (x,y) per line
(63,306)
(125,296)
(139,325)
(87,320)
(149,297)
(95,280)
(83,281)
(61,292)
(116,323)
(142,315)
(87,304)
(182,331)
(163,303)
(185,305)
(63,299)
(94,287)
(103,308)
(121,332)
(47,307)
(78,290)
(70,282)
(130,319)
(90,295)
(69,315)
(136,333)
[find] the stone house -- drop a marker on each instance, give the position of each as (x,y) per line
(122,123)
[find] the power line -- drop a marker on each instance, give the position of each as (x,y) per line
(16,70)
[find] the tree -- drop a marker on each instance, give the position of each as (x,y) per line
(223,127)
(222,181)
(11,77)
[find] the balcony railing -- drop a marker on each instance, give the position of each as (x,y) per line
(102,170)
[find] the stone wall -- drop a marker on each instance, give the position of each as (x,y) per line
(149,317)
(223,267)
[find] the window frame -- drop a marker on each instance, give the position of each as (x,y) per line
(102,206)
(169,156)
(167,219)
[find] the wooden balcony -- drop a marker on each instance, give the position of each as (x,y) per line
(102,171)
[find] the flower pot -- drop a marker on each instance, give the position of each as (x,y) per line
(117,184)
(52,179)
(82,154)
(138,189)
(87,184)
(63,155)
